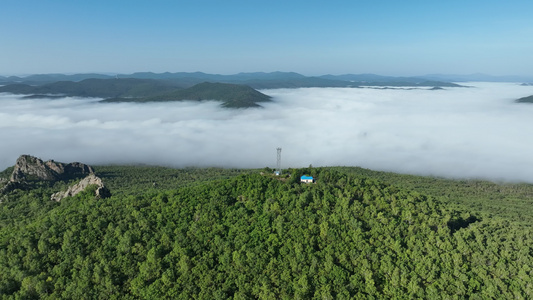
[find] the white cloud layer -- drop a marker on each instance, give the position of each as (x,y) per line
(473,132)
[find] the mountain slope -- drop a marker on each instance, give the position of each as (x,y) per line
(144,90)
(257,236)
(528,99)
(104,88)
(232,95)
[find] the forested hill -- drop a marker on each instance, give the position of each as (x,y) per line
(215,234)
(144,90)
(525,99)
(231,95)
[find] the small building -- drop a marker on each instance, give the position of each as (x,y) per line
(307,179)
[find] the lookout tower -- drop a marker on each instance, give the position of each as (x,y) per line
(278,165)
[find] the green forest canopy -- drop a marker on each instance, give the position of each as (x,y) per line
(215,233)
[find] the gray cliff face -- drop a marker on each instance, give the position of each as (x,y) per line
(100,192)
(29,167)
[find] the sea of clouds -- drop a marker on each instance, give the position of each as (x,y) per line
(475,132)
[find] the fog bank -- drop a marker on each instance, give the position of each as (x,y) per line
(456,132)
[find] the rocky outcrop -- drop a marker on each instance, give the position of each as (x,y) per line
(29,167)
(100,192)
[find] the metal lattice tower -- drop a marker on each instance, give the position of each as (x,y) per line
(278,169)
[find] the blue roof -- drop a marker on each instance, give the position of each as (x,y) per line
(306,177)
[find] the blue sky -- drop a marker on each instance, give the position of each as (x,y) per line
(229,36)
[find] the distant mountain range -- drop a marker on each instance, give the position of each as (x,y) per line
(191,78)
(102,88)
(257,80)
(479,77)
(233,90)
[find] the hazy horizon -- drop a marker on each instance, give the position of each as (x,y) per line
(525,77)
(476,132)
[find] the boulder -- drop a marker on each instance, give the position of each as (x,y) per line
(101,191)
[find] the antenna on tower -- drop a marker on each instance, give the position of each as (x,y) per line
(278,167)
